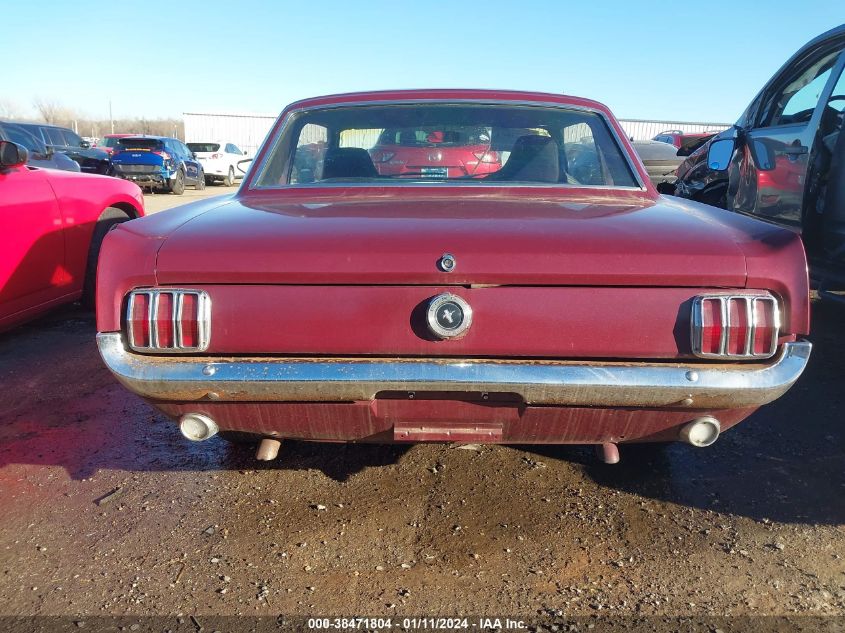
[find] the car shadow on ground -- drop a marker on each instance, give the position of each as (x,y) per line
(61,407)
(786,462)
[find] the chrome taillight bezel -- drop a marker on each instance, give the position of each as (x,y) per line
(178,300)
(724,299)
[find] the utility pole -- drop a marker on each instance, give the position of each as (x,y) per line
(111,118)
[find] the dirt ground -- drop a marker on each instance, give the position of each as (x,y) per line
(753,525)
(156,202)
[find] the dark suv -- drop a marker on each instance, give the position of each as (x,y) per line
(38,154)
(59,139)
(784,159)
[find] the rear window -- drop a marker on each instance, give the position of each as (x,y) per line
(108,141)
(428,143)
(140,144)
(655,150)
(203,147)
(433,136)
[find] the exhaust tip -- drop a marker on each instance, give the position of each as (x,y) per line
(701,432)
(197,427)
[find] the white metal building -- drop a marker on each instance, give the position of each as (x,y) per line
(247,131)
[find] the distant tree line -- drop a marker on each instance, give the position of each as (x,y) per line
(55,113)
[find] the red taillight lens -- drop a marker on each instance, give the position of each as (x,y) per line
(487,156)
(164,155)
(139,323)
(380,156)
(766,330)
(735,326)
(738,315)
(169,320)
(164,320)
(188,320)
(711,326)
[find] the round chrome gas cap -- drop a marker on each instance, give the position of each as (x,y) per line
(448,316)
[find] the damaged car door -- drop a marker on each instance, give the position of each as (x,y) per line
(770,171)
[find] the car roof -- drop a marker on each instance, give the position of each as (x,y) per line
(450,95)
(151,136)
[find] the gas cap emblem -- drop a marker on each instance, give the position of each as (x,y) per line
(448,316)
(447,262)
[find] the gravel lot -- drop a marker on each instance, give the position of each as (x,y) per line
(753,525)
(156,202)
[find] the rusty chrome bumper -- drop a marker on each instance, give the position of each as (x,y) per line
(539,382)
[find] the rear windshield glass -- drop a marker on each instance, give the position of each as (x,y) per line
(203,147)
(140,143)
(108,141)
(446,143)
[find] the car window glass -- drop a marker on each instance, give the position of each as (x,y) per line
(53,136)
(22,137)
(71,139)
(308,156)
(448,143)
(583,164)
(837,97)
(236,150)
(796,100)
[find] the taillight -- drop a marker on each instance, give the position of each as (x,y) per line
(164,155)
(380,156)
(487,156)
(735,325)
(168,320)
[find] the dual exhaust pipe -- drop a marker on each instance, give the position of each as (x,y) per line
(701,432)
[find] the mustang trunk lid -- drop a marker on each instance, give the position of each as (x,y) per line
(496,240)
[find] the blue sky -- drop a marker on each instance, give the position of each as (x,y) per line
(683,60)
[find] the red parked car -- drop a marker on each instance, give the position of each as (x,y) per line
(527,306)
(685,142)
(53,224)
(434,152)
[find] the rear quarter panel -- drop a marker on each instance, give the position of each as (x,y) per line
(82,199)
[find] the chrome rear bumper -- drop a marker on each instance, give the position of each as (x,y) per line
(539,382)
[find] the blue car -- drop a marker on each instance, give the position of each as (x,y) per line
(157,163)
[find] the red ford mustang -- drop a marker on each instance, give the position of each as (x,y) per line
(550,301)
(53,225)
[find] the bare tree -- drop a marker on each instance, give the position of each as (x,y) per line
(52,111)
(9,109)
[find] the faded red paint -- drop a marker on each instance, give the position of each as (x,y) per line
(554,272)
